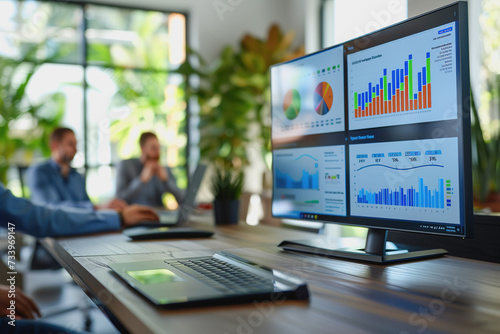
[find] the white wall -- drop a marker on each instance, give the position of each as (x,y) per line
(216,23)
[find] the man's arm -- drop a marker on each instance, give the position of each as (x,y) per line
(41,221)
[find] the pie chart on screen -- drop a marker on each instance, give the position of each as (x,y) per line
(323,98)
(291,104)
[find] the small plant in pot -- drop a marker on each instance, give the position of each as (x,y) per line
(227,186)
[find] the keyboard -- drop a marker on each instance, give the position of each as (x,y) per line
(224,276)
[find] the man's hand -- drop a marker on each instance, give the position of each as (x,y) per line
(25,306)
(133,214)
(148,171)
(161,172)
(116,204)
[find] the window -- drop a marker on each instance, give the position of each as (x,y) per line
(110,66)
(346,19)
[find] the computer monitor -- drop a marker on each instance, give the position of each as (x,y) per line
(375,132)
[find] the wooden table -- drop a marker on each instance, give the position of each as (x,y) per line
(444,295)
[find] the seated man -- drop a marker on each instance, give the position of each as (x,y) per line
(54,182)
(143,180)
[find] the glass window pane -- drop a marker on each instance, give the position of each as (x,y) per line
(101,182)
(53,96)
(124,103)
(135,38)
(60,87)
(40,31)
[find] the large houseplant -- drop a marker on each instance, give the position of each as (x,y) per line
(234,99)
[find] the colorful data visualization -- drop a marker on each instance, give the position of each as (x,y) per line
(323,99)
(291,104)
(308,95)
(406,179)
(390,84)
(309,179)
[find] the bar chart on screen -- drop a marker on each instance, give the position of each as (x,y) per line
(397,83)
(413,176)
(396,95)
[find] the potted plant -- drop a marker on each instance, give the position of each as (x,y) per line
(227,186)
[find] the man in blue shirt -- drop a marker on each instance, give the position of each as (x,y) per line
(143,180)
(41,221)
(54,182)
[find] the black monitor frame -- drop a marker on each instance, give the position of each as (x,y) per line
(375,247)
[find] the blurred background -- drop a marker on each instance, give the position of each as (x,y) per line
(196,73)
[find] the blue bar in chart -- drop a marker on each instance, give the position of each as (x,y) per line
(423,197)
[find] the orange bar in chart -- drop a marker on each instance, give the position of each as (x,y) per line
(419,100)
(429,95)
(425,96)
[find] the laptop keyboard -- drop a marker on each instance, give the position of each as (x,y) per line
(224,276)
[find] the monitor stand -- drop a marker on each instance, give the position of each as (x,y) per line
(375,249)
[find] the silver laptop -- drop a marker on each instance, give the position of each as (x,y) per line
(212,280)
(180,216)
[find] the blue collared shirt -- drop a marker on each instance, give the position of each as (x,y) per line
(41,221)
(47,186)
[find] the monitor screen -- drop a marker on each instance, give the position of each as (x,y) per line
(375,132)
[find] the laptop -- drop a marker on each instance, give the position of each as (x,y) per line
(210,280)
(180,216)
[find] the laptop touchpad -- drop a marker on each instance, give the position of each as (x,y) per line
(154,276)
